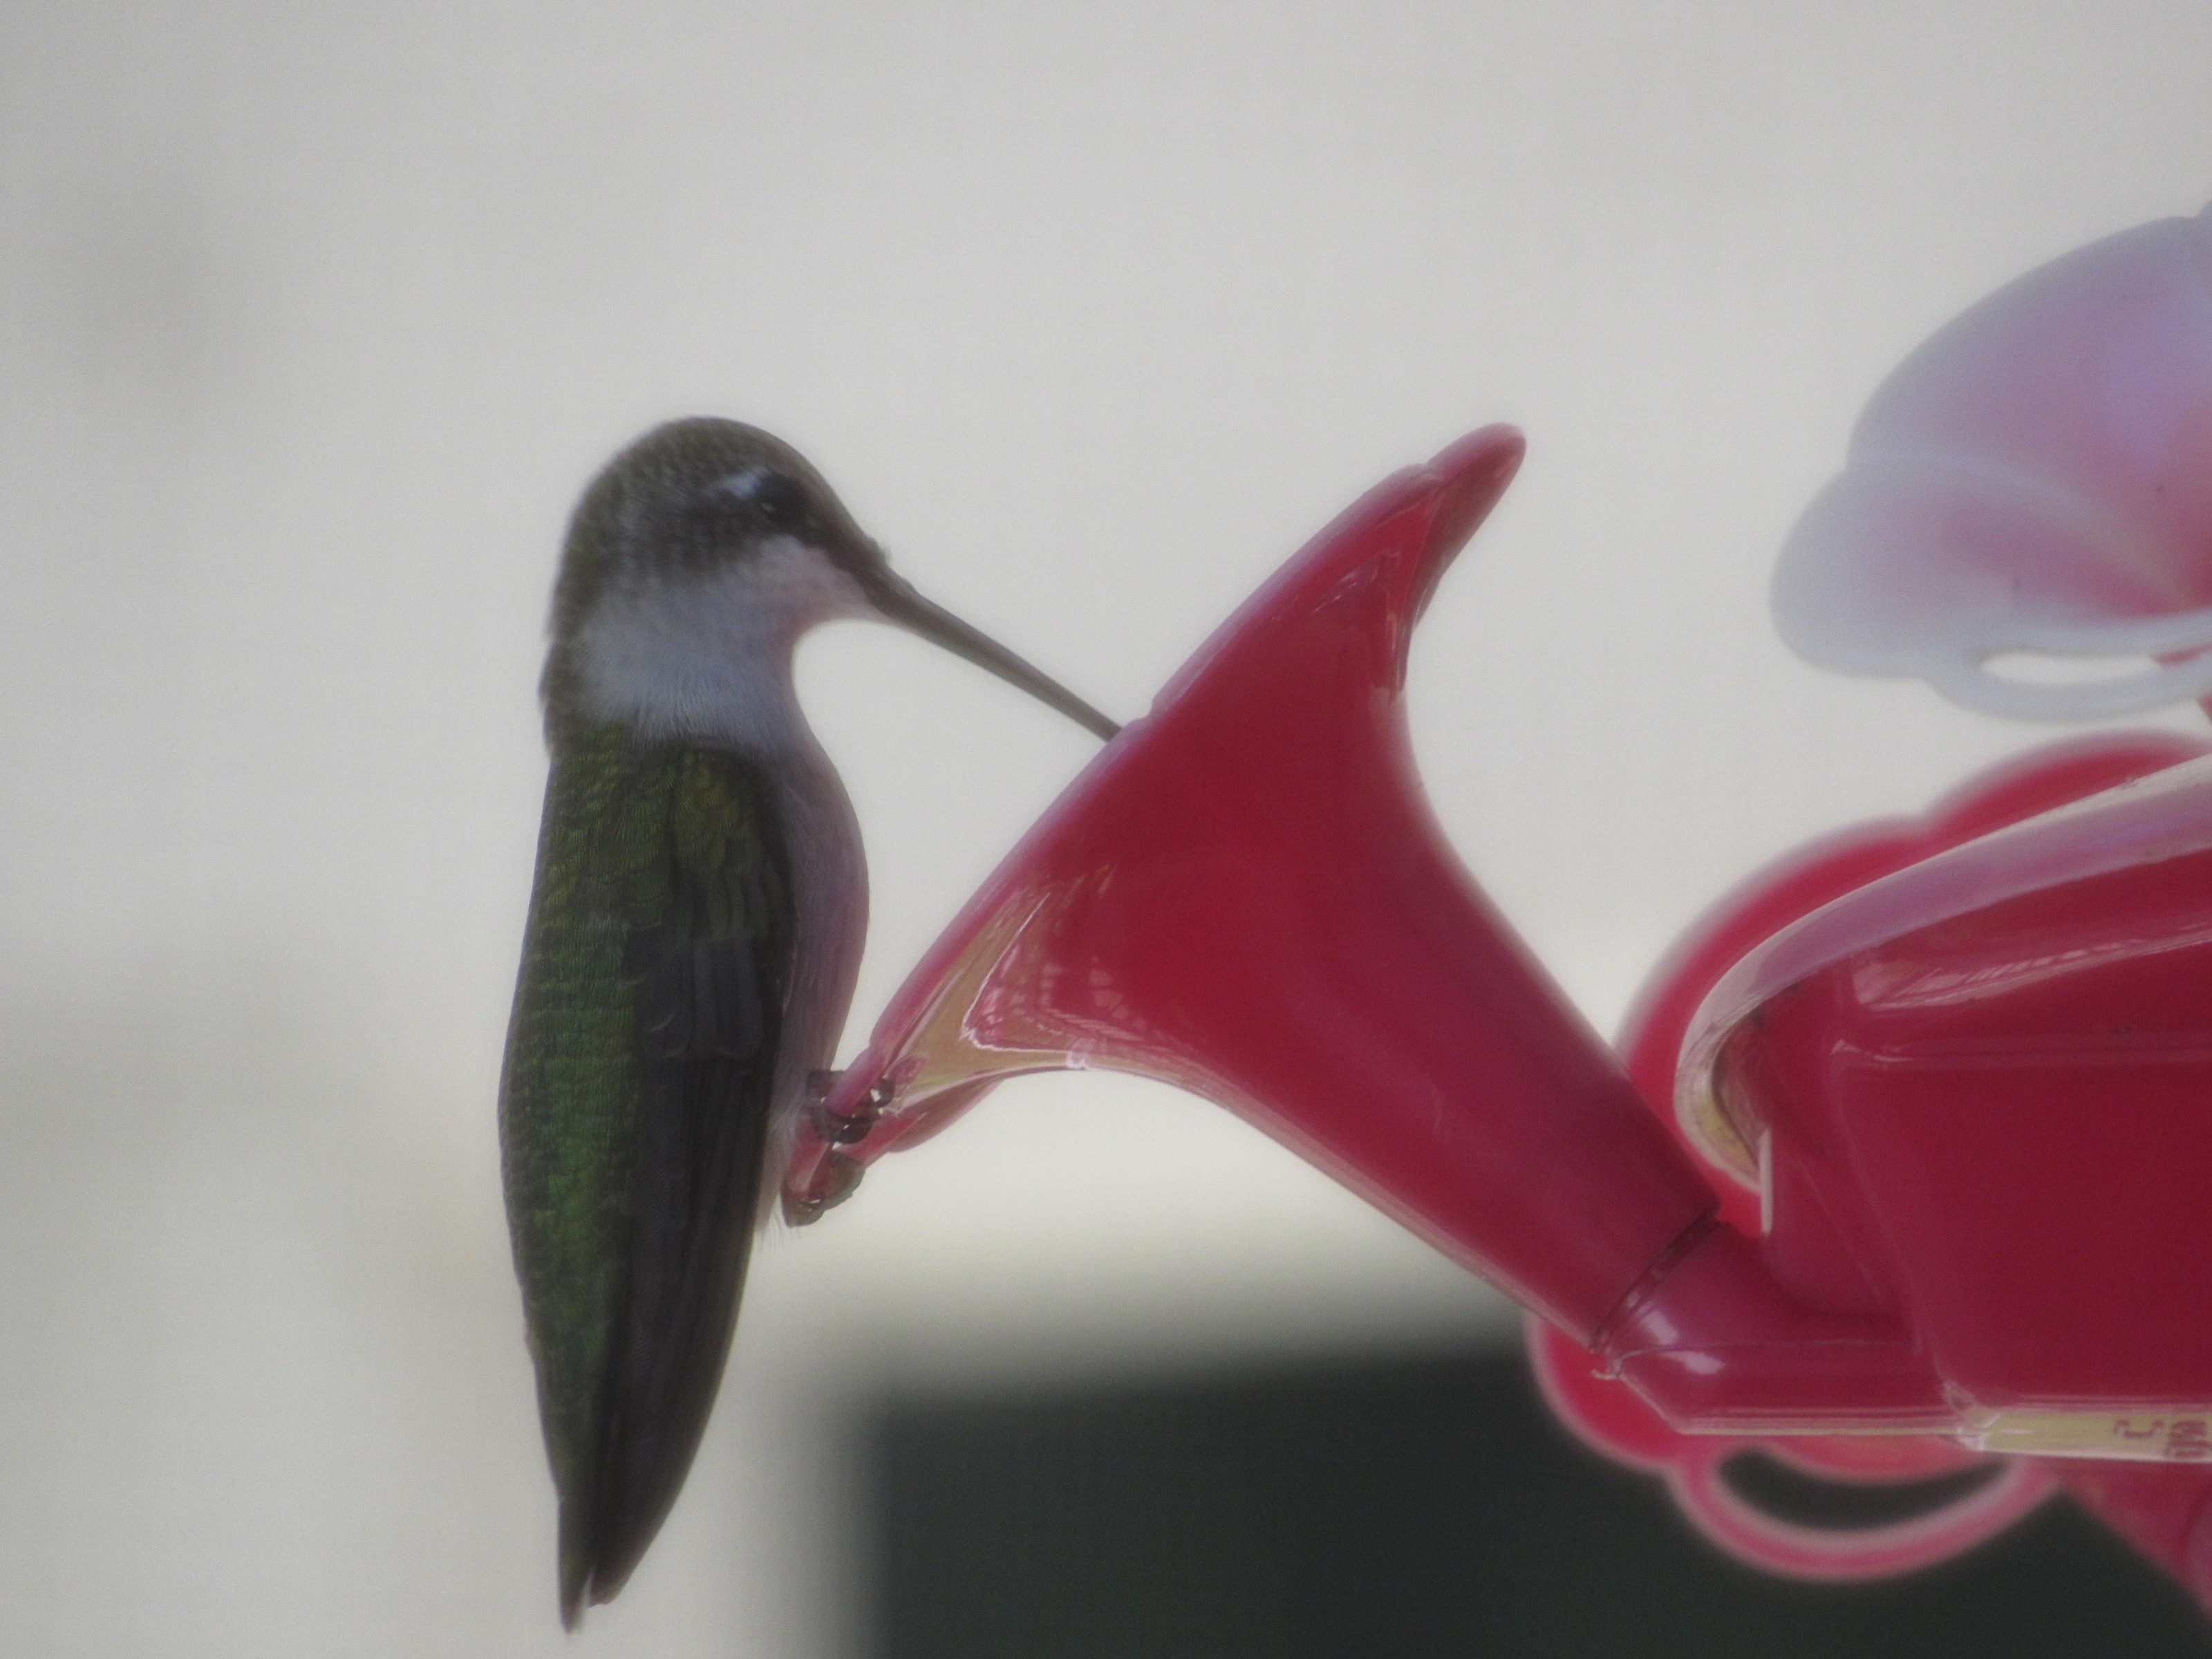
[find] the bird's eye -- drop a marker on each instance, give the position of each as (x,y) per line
(779,503)
(763,499)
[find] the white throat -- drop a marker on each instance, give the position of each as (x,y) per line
(708,657)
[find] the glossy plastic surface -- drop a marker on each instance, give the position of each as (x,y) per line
(1960,1089)
(1246,895)
(1807,1254)
(1612,1418)
(1976,1091)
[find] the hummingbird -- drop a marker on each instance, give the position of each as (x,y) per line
(694,928)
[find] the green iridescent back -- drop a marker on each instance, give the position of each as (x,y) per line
(654,972)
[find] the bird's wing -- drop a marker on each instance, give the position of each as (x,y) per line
(678,940)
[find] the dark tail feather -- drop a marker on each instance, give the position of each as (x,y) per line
(575,1564)
(702,1141)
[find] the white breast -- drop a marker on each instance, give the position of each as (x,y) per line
(709,656)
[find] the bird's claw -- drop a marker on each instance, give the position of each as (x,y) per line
(834,1183)
(839,1172)
(844,1128)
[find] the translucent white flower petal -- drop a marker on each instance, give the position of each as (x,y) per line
(2035,480)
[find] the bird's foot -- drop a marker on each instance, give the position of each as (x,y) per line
(844,1128)
(834,1183)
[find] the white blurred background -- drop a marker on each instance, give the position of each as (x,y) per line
(313,320)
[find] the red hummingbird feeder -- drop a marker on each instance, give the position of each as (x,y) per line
(1899,1169)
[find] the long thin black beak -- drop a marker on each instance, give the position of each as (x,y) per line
(896,601)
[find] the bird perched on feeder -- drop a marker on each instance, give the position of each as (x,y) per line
(697,923)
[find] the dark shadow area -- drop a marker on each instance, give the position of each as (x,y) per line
(1395,1511)
(1807,1500)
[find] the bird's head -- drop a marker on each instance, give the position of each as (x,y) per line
(695,561)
